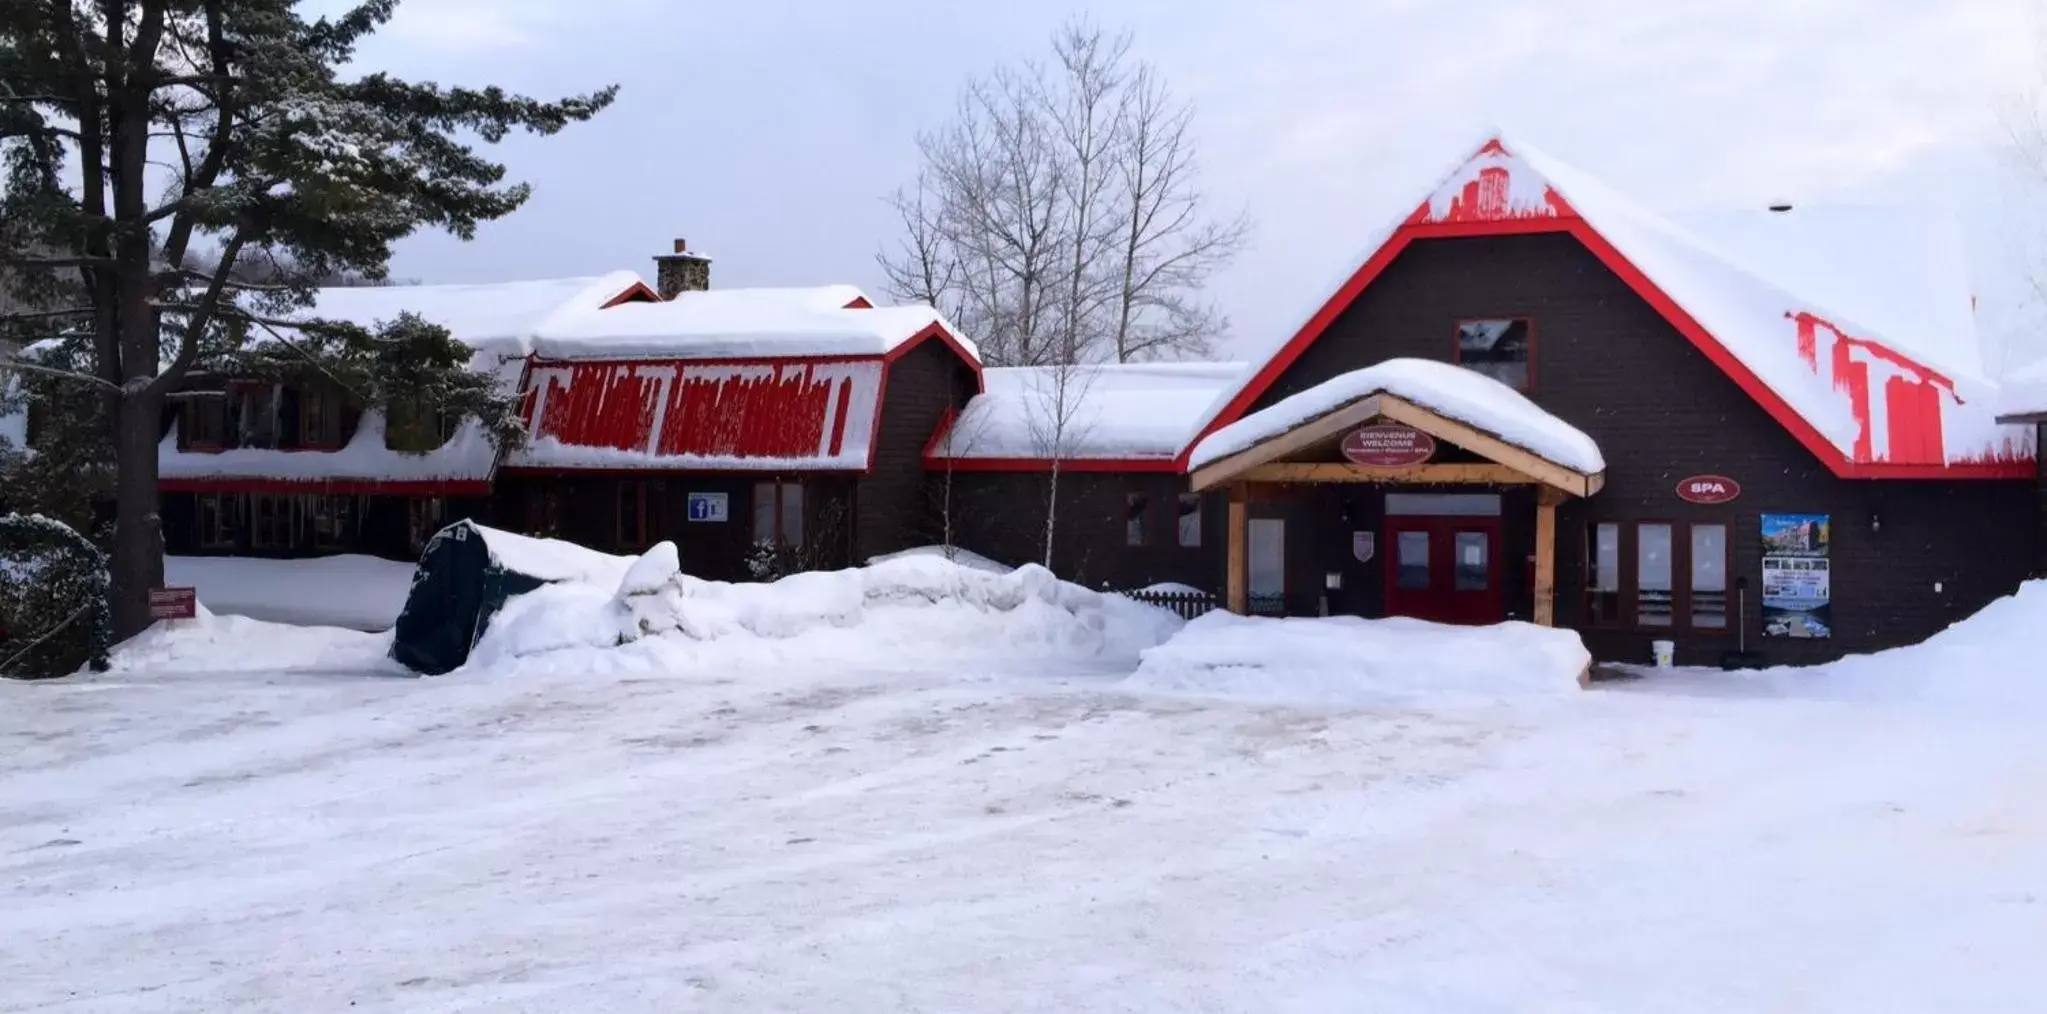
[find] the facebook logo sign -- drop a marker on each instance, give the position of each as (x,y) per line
(710,506)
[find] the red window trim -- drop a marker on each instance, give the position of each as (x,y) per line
(1457,349)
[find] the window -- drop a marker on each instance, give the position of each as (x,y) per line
(635,515)
(1653,573)
(1474,569)
(1190,520)
(273,521)
(1266,538)
(253,410)
(1603,574)
(1411,561)
(1709,577)
(415,427)
(1135,507)
(204,421)
(331,517)
(217,517)
(319,418)
(1500,348)
(778,514)
(1672,574)
(423,521)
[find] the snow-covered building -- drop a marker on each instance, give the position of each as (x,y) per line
(1532,398)
(793,416)
(1526,398)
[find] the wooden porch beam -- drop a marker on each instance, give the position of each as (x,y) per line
(1486,445)
(1239,550)
(1546,557)
(1445,474)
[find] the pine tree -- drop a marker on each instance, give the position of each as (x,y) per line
(153,147)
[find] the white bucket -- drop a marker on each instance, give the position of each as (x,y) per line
(1665,652)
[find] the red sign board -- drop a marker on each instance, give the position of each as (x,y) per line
(1388,446)
(173,603)
(1708,489)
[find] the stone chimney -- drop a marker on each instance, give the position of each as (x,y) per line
(681,271)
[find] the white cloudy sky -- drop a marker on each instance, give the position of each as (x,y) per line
(768,131)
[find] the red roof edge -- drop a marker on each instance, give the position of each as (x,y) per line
(638,292)
(1637,281)
(332,487)
(1167,465)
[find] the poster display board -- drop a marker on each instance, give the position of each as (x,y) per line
(1797,576)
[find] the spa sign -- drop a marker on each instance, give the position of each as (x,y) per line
(1388,446)
(1708,489)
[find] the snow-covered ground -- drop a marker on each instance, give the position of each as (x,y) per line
(359,592)
(1029,832)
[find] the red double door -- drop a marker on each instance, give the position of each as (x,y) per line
(1445,569)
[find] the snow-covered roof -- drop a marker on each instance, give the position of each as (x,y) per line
(468,456)
(1902,272)
(734,325)
(1761,312)
(1123,411)
(1473,399)
(499,317)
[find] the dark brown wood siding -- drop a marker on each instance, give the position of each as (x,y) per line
(1908,557)
(895,506)
(1001,515)
(583,509)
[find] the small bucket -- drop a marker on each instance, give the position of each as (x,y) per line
(1665,651)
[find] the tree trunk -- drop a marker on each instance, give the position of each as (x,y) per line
(1051,511)
(138,528)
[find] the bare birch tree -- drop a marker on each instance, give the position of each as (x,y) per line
(1059,419)
(1056,218)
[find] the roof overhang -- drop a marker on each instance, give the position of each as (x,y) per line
(1511,463)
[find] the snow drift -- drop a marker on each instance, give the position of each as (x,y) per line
(213,643)
(1993,657)
(1346,661)
(906,610)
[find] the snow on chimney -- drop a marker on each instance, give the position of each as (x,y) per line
(681,271)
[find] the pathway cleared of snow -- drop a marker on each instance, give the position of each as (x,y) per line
(865,839)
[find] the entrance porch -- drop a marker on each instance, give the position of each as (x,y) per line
(1406,489)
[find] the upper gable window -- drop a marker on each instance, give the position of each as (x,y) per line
(1502,348)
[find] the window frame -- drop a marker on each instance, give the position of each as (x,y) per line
(634,492)
(194,414)
(1681,557)
(1457,346)
(1137,519)
(219,530)
(1619,617)
(1180,516)
(319,418)
(779,490)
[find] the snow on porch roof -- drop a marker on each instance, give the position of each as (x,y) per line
(1454,392)
(2025,392)
(1866,403)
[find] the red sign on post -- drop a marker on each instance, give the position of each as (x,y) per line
(1388,446)
(1708,489)
(173,603)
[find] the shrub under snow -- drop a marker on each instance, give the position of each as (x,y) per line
(910,609)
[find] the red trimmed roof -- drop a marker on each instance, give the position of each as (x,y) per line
(1858,403)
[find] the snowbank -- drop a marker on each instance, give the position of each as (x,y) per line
(1345,661)
(963,557)
(361,592)
(908,610)
(222,644)
(1990,658)
(1458,393)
